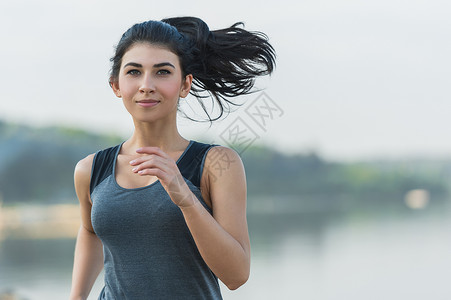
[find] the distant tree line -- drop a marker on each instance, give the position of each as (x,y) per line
(37,164)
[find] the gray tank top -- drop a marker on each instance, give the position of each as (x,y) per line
(149,252)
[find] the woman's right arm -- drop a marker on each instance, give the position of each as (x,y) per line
(88,258)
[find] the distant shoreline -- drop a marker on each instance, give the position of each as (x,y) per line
(39,221)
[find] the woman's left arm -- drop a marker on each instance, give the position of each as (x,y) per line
(222,238)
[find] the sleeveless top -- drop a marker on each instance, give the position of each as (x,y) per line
(149,252)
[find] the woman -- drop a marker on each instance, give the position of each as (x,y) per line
(157,213)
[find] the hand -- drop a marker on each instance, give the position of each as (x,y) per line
(155,162)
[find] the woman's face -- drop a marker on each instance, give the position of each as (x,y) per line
(150,83)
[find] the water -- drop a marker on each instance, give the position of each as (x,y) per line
(318,255)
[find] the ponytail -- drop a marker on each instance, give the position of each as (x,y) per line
(224,63)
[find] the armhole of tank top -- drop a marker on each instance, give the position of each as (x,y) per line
(91,187)
(201,171)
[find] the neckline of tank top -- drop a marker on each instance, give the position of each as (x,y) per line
(146,186)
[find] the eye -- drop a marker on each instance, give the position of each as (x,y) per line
(163,72)
(133,72)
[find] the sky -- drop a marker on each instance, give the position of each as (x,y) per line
(354,79)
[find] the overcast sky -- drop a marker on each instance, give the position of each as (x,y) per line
(355,79)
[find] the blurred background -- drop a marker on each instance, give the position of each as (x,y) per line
(345,146)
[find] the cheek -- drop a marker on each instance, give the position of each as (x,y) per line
(127,88)
(170,89)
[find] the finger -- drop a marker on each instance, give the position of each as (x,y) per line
(156,154)
(142,159)
(152,172)
(151,150)
(157,163)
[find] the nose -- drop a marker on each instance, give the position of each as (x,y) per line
(147,85)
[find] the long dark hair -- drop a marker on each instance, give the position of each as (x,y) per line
(224,63)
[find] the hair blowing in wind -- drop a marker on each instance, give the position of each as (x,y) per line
(224,62)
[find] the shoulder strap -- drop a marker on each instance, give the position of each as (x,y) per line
(192,162)
(102,166)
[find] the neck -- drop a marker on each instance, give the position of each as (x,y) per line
(164,135)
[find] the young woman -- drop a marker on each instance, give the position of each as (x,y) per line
(157,213)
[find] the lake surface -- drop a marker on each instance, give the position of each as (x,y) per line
(352,255)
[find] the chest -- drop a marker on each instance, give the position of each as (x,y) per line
(147,211)
(128,179)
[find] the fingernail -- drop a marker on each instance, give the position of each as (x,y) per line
(134,169)
(132,162)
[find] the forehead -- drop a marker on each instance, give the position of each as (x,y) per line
(148,55)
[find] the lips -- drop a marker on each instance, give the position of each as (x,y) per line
(147,102)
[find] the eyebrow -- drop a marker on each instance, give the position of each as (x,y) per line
(159,65)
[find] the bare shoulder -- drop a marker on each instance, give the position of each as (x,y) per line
(82,181)
(83,167)
(223,166)
(82,176)
(221,159)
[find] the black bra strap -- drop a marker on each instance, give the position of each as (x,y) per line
(102,166)
(191,164)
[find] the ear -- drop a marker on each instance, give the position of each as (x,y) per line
(186,86)
(115,86)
